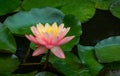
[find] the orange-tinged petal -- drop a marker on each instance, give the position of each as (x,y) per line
(65,40)
(57,51)
(40,50)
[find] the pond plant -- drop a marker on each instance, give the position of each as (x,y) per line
(59,37)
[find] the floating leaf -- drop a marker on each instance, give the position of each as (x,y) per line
(75,29)
(7,64)
(86,54)
(28,4)
(108,50)
(103,4)
(83,9)
(70,66)
(7,42)
(7,6)
(115,8)
(21,22)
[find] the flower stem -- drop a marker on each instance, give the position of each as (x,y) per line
(46,61)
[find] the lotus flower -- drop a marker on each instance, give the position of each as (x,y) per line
(49,37)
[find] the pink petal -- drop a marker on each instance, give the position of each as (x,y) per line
(57,51)
(41,41)
(40,50)
(36,32)
(65,40)
(31,38)
(49,46)
(63,33)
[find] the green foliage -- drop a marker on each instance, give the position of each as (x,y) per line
(107,50)
(86,54)
(8,6)
(7,64)
(103,4)
(28,4)
(75,29)
(21,22)
(70,66)
(17,16)
(83,9)
(115,8)
(7,42)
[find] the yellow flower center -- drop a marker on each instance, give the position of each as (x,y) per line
(52,30)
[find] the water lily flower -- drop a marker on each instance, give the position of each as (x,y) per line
(49,37)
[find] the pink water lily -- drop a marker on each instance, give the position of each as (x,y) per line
(49,37)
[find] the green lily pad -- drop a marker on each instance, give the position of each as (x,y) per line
(86,54)
(75,29)
(21,22)
(103,4)
(83,9)
(28,4)
(7,42)
(115,8)
(7,64)
(108,50)
(7,6)
(70,66)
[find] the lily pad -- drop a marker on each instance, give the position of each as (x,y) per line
(70,66)
(7,6)
(7,64)
(103,4)
(115,8)
(108,50)
(7,41)
(28,4)
(75,29)
(83,9)
(86,54)
(21,22)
